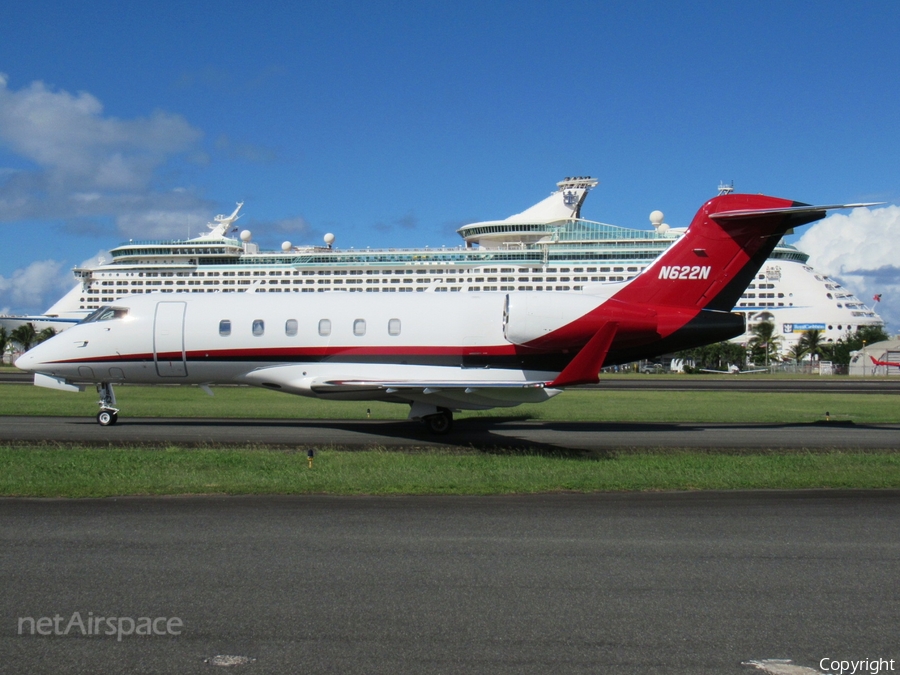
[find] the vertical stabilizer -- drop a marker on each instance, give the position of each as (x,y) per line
(710,266)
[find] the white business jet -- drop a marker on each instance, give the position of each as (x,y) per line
(435,352)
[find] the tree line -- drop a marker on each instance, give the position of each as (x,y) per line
(765,347)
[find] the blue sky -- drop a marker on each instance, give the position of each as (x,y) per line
(393,123)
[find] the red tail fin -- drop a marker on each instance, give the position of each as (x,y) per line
(710,266)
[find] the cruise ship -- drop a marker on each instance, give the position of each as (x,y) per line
(548,247)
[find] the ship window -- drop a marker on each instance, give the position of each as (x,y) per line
(359,327)
(225,327)
(290,327)
(259,327)
(324,327)
(394,326)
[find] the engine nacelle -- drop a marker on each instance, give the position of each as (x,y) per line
(556,321)
(530,316)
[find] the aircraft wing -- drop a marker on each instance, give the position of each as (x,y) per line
(448,394)
(734,372)
(354,383)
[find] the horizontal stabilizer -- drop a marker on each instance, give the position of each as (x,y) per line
(790,210)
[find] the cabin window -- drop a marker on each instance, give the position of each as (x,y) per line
(394,327)
(324,327)
(225,327)
(359,327)
(259,327)
(290,327)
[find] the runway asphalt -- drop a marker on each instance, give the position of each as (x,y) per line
(694,583)
(486,433)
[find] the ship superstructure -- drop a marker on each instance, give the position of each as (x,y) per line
(548,247)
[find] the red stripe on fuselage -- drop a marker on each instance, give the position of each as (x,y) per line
(299,353)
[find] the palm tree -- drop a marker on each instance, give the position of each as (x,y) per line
(765,341)
(45,334)
(24,336)
(797,352)
(4,340)
(814,342)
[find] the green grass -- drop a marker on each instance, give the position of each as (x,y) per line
(97,472)
(77,471)
(576,405)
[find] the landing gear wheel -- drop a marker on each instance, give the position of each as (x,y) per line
(441,423)
(107,418)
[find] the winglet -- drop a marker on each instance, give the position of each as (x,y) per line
(585,367)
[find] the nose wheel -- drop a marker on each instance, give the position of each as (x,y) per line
(109,413)
(107,418)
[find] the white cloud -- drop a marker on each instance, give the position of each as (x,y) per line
(68,137)
(862,249)
(34,288)
(156,223)
(85,164)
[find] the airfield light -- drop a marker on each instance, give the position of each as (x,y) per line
(309,456)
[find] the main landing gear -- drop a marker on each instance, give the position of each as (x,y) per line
(109,413)
(437,420)
(439,423)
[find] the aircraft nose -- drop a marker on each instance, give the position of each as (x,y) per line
(32,360)
(26,361)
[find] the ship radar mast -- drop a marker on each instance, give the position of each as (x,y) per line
(222,225)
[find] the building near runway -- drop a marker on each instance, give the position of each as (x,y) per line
(879,359)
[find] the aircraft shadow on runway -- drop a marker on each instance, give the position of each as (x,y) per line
(495,435)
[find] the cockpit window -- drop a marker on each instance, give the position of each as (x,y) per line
(106,314)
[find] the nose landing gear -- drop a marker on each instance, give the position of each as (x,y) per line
(109,413)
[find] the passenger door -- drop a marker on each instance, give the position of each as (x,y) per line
(168,339)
